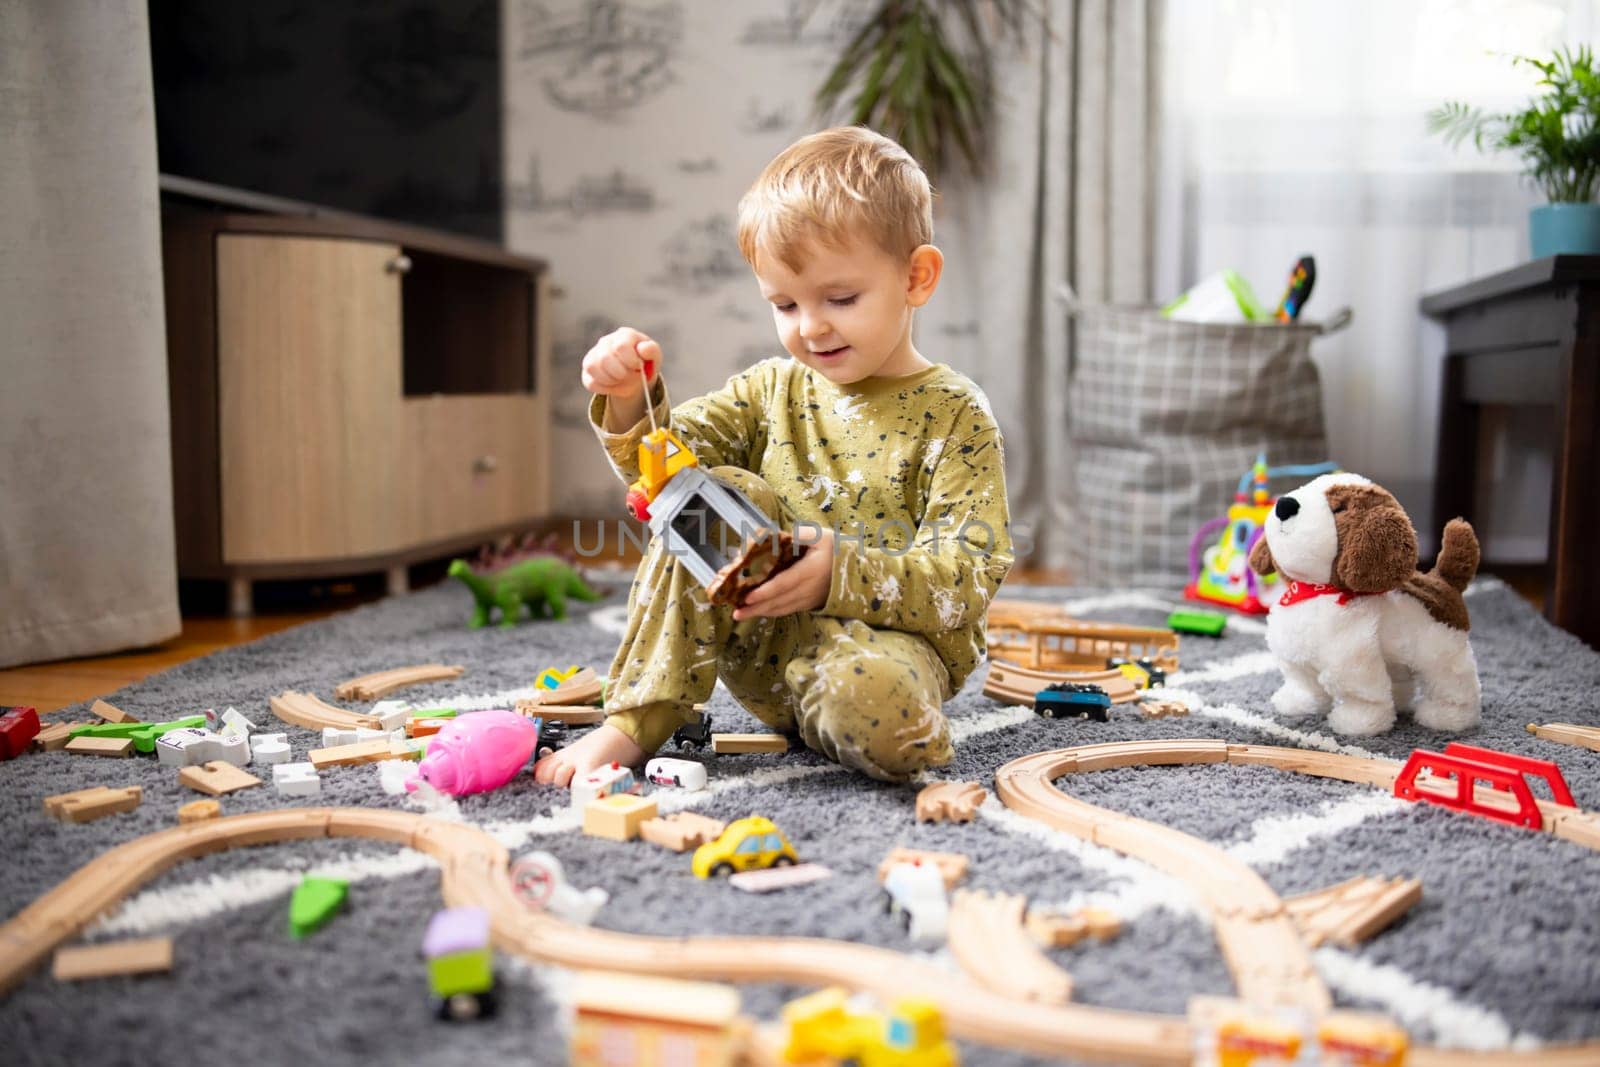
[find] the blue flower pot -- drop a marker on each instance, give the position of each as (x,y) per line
(1564,230)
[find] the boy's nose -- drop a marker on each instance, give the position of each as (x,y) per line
(812,328)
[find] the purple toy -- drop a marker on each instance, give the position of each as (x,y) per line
(477,752)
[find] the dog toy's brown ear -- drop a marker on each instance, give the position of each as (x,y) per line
(1261,557)
(1377,543)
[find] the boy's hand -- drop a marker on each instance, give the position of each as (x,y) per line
(611,367)
(604,744)
(803,587)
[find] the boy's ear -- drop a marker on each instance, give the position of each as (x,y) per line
(927,264)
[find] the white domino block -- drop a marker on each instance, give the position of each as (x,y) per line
(296,779)
(235,748)
(391,714)
(187,747)
(233,721)
(334,736)
(270,748)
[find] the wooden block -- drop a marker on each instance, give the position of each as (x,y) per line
(617,817)
(145,956)
(733,743)
(346,755)
(217,778)
(55,736)
(952,865)
(100,746)
(682,831)
(86,805)
(111,713)
(956,801)
(198,811)
(573,715)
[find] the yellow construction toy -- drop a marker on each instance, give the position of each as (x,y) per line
(683,503)
(821,1027)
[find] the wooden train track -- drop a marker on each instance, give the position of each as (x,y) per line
(474,869)
(474,872)
(1044,637)
(985,927)
(1019,685)
(378,685)
(303,709)
(1258,938)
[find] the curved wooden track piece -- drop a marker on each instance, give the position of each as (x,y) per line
(303,709)
(474,868)
(380,684)
(474,872)
(989,938)
(1256,934)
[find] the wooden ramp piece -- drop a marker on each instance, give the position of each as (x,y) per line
(1354,911)
(146,956)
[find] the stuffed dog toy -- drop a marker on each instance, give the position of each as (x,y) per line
(1359,631)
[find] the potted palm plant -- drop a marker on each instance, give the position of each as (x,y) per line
(1558,137)
(923,73)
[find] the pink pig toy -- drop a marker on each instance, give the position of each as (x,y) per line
(477,752)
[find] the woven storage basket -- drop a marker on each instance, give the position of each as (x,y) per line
(1164,417)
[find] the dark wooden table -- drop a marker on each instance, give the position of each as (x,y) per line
(1531,337)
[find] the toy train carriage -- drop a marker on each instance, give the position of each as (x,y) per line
(460,963)
(1042,637)
(1073,700)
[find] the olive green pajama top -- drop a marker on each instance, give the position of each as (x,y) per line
(909,474)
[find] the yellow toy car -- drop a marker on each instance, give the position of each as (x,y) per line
(744,846)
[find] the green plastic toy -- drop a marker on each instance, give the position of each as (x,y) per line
(144,734)
(1194,621)
(543,584)
(314,902)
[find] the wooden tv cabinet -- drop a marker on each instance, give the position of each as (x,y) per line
(347,395)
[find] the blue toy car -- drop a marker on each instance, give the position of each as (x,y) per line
(1073,700)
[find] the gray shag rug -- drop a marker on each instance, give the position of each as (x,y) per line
(1503,950)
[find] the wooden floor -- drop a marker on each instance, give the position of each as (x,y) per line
(51,686)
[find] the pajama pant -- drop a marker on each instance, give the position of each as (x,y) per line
(866,698)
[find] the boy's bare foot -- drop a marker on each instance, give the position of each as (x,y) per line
(604,744)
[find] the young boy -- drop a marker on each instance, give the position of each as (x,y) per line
(897,460)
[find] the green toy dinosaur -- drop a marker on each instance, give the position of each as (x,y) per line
(541,583)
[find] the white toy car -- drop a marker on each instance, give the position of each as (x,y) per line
(539,883)
(601,782)
(685,774)
(915,892)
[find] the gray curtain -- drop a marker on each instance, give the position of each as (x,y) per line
(86,537)
(1070,198)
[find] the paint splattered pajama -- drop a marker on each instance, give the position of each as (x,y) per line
(908,472)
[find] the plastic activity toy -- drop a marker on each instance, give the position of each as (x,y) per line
(1221,574)
(478,752)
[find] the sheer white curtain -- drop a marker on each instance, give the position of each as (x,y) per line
(1294,128)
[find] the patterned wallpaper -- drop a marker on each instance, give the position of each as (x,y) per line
(632,129)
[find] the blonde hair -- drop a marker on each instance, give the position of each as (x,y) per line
(830,186)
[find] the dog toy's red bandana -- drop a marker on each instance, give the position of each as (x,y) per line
(1299,591)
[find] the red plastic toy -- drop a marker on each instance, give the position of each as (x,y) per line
(1468,766)
(18,728)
